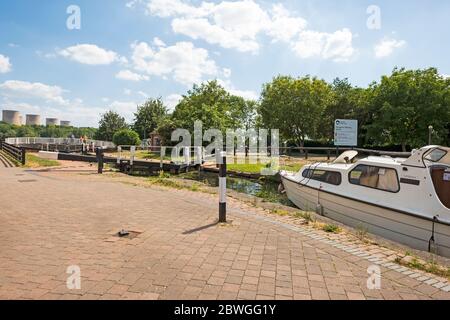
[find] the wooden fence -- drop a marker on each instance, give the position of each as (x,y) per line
(17,153)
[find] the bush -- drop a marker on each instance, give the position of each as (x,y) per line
(126,137)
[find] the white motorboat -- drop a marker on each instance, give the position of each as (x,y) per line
(405,200)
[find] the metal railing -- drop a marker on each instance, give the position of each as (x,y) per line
(17,153)
(292,152)
(57,141)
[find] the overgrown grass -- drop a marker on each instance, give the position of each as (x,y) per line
(141,154)
(33,161)
(280,212)
(163,179)
(430,267)
(304,215)
(267,196)
(361,232)
(294,167)
(247,167)
(331,228)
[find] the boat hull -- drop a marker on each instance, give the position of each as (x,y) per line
(401,227)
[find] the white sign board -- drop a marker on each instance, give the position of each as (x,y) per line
(346,133)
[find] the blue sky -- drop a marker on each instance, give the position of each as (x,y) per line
(127,50)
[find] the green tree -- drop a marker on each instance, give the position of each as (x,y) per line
(294,106)
(148,117)
(214,106)
(109,124)
(405,103)
(52,132)
(26,131)
(343,105)
(7,131)
(126,137)
(165,129)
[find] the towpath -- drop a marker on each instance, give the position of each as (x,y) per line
(55,222)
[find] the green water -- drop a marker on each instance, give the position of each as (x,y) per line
(263,188)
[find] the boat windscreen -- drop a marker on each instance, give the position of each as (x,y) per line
(438,155)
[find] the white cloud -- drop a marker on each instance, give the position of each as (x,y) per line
(41,54)
(13,45)
(172,100)
(202,29)
(169,8)
(158,42)
(124,108)
(130,76)
(35,90)
(387,46)
(5,65)
(336,46)
(229,24)
(127,92)
(186,63)
(238,25)
(143,94)
(246,94)
(90,54)
(284,26)
(133,3)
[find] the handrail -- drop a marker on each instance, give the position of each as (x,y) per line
(65,141)
(17,153)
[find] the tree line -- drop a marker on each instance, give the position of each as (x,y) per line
(393,113)
(10,130)
(396,112)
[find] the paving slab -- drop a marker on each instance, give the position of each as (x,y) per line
(64,223)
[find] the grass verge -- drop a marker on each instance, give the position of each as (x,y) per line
(426,266)
(33,161)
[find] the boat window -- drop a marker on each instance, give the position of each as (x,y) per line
(331,177)
(436,155)
(380,178)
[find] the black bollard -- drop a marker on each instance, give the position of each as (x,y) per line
(99,153)
(223,189)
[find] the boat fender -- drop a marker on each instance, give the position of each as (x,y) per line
(281,188)
(319,209)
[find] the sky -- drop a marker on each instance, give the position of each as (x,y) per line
(75,60)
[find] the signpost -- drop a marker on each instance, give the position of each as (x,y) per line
(346,133)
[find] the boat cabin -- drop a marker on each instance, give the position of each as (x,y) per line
(424,175)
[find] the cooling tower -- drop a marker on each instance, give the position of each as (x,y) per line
(33,120)
(11,117)
(51,121)
(65,123)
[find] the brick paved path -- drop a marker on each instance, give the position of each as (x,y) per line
(50,221)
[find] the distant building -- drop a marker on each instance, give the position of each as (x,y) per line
(33,120)
(65,123)
(51,121)
(154,141)
(11,117)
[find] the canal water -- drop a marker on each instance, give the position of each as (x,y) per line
(264,188)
